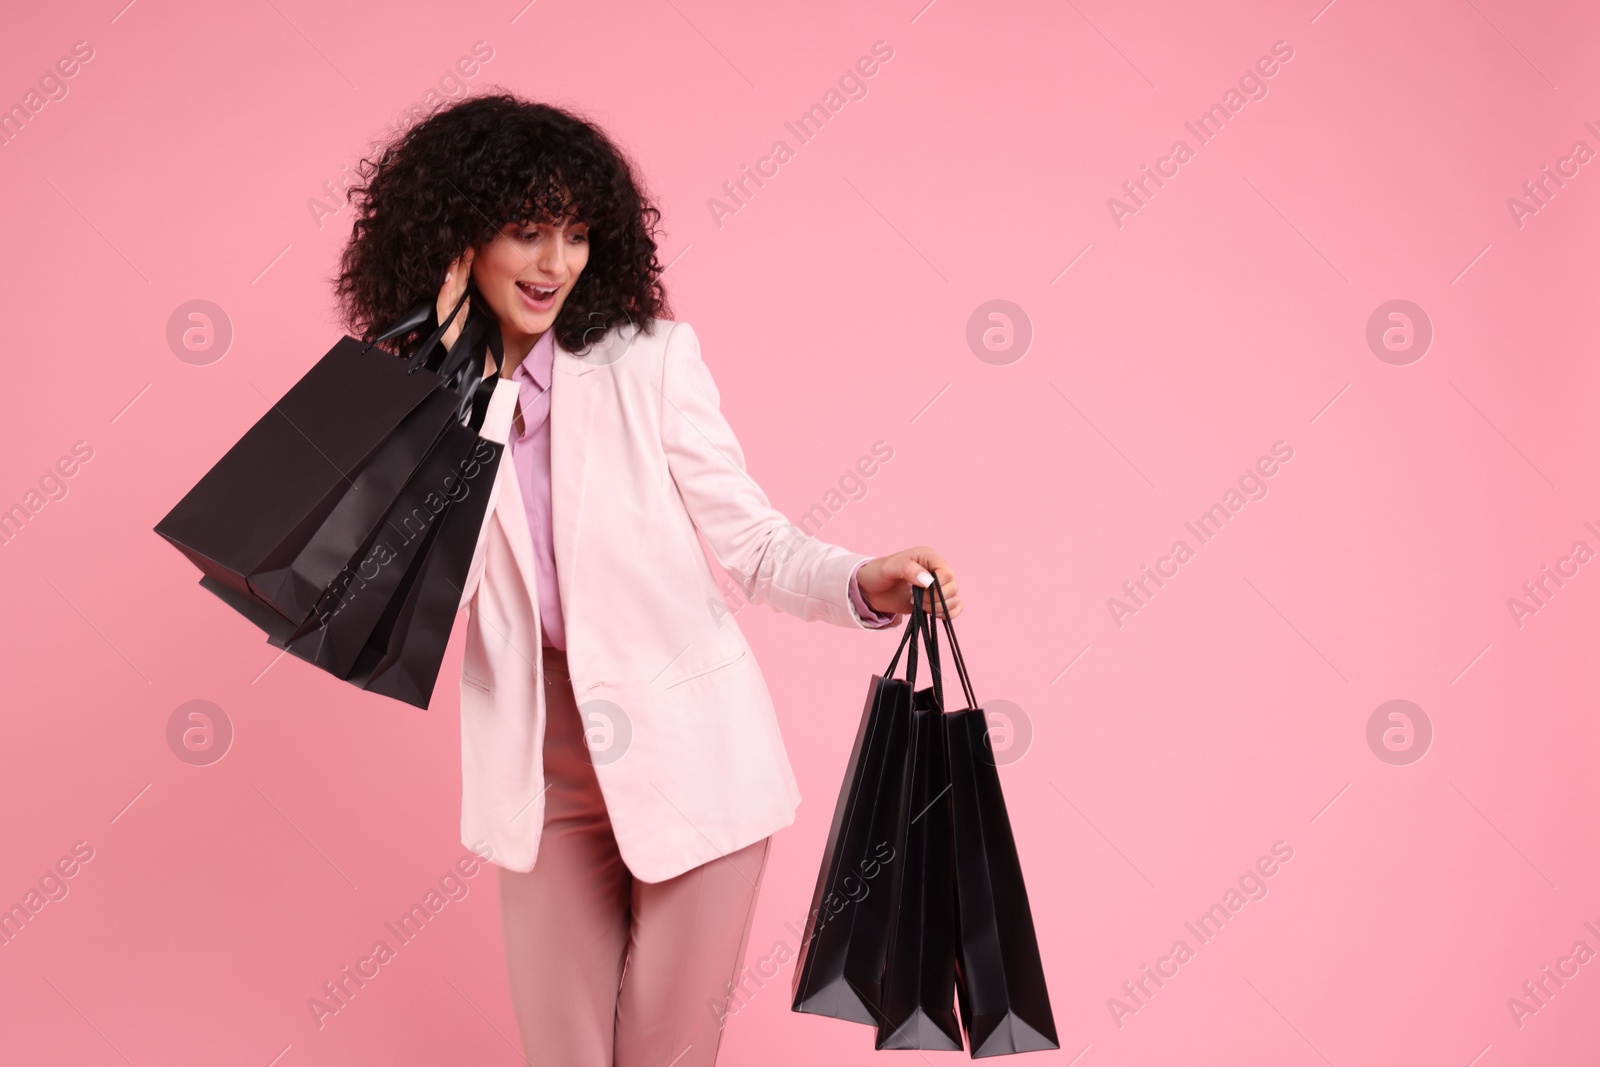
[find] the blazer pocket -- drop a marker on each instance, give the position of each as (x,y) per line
(703,671)
(468,679)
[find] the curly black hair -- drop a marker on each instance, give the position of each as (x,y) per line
(458,175)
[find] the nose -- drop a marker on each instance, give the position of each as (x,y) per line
(551,257)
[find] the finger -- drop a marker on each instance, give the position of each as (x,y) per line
(455,276)
(913,569)
(449,289)
(946,579)
(931,601)
(925,560)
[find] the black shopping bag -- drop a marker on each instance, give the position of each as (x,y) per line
(404,653)
(918,1001)
(867,955)
(390,499)
(839,971)
(252,523)
(1005,1007)
(334,548)
(338,628)
(387,544)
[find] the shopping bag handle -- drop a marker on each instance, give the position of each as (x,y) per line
(955,647)
(410,321)
(919,630)
(420,358)
(416,318)
(930,635)
(912,627)
(478,327)
(467,348)
(465,363)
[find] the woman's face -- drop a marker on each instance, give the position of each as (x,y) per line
(527,270)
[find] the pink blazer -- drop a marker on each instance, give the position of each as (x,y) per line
(693,764)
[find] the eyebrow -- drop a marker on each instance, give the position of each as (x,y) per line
(520,223)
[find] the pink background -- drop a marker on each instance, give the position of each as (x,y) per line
(1168,754)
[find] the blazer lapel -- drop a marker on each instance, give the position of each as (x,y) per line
(573,400)
(507,509)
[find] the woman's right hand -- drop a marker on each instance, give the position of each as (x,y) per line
(455,283)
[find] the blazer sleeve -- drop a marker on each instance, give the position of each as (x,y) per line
(772,560)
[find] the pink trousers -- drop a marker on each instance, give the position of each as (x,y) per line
(606,970)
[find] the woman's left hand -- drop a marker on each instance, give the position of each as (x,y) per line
(887,583)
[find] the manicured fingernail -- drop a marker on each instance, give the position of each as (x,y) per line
(924,579)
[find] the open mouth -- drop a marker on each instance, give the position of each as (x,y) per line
(538,294)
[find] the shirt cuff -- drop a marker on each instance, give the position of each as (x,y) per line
(872,619)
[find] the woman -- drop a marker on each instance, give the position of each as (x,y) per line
(621,757)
